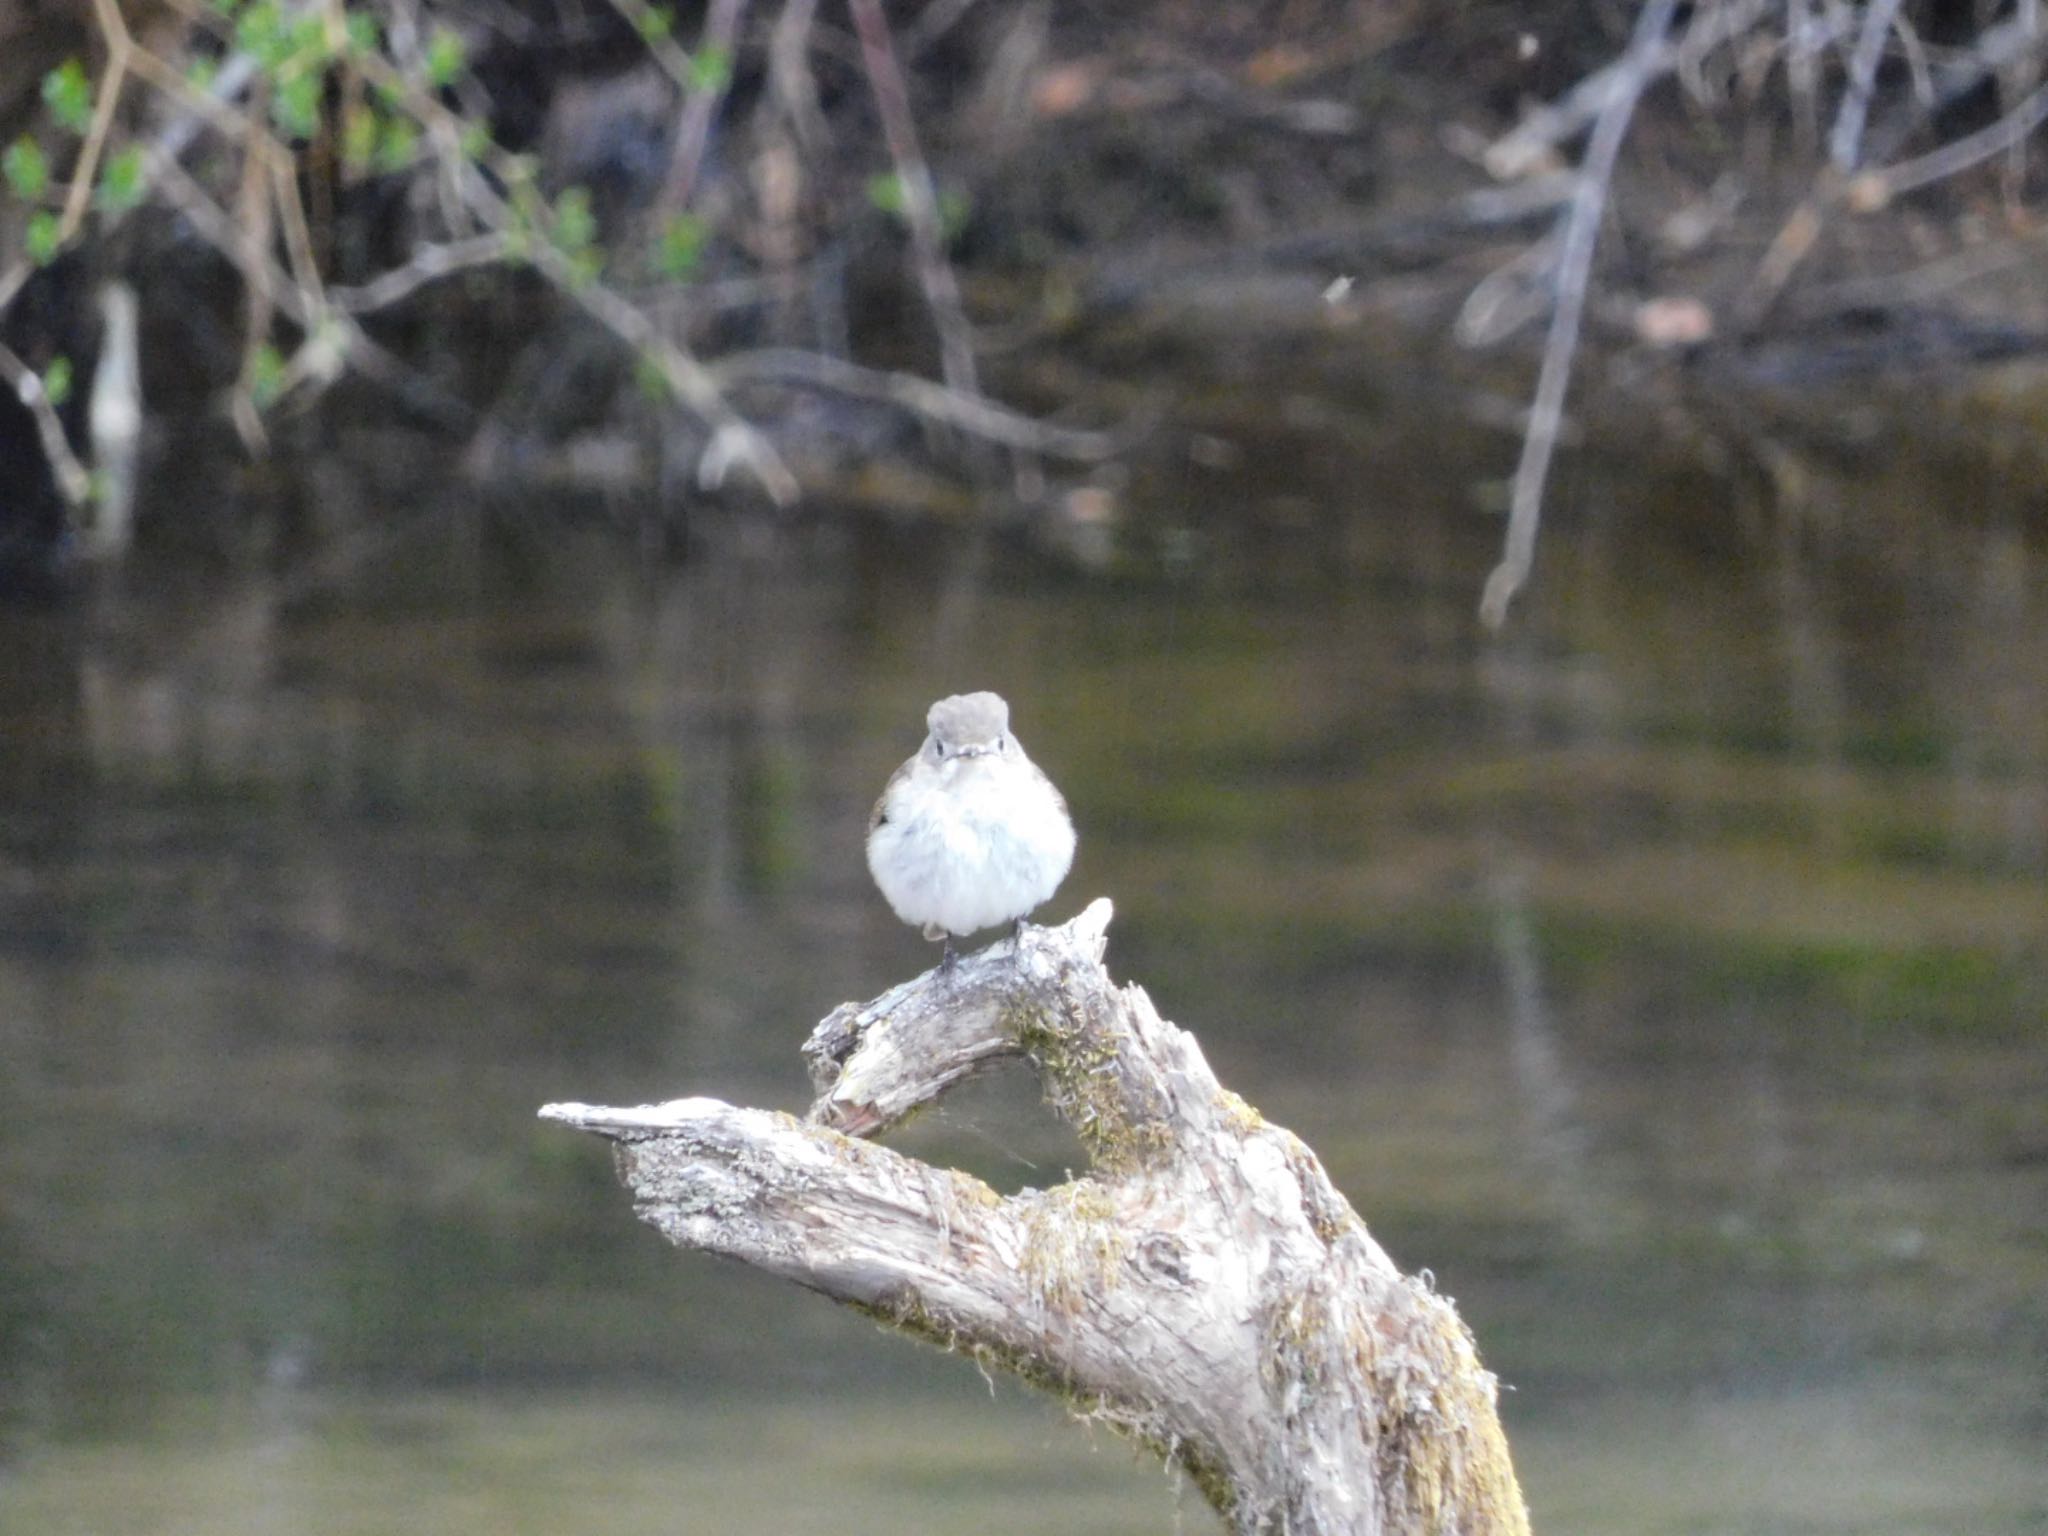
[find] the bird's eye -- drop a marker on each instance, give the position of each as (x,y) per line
(939,747)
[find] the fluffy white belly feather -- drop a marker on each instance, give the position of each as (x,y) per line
(985,850)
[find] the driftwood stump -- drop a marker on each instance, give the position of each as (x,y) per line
(1204,1289)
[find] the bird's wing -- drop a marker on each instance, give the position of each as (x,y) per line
(880,813)
(1044,778)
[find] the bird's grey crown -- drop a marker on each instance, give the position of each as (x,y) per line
(969,719)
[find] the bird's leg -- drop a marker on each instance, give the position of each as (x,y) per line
(948,957)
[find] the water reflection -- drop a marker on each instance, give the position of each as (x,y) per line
(1669,980)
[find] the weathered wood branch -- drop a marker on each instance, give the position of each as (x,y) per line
(1205,1288)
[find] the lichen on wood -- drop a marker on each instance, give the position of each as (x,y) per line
(1203,1288)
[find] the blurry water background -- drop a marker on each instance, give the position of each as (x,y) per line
(1668,978)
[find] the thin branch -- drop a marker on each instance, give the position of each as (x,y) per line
(72,479)
(13,280)
(1631,74)
(1926,282)
(255,213)
(1532,141)
(666,52)
(87,169)
(1845,144)
(976,415)
(1874,188)
(426,264)
(212,105)
(218,228)
(700,104)
(298,239)
(789,74)
(734,439)
(933,23)
(920,200)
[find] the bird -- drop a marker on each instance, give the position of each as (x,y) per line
(969,832)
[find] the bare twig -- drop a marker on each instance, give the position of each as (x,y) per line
(72,479)
(976,415)
(1845,144)
(1874,188)
(219,229)
(1532,141)
(298,239)
(2018,39)
(933,23)
(1927,281)
(734,439)
(79,198)
(920,200)
(789,74)
(12,280)
(426,264)
(1631,74)
(670,55)
(255,212)
(700,104)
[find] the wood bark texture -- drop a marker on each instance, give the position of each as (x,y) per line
(1204,1289)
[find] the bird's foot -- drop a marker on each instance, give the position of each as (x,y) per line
(948,957)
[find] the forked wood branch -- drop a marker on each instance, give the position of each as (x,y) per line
(1205,1288)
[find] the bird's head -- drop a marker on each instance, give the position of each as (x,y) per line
(967,727)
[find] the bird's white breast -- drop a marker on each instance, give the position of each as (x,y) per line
(977,843)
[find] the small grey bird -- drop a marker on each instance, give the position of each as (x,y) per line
(968,833)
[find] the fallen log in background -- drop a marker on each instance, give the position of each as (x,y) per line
(1205,1288)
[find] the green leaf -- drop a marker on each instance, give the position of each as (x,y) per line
(656,22)
(522,202)
(266,376)
(68,94)
(680,246)
(886,193)
(397,143)
(200,72)
(260,32)
(295,105)
(26,170)
(57,380)
(446,54)
(307,40)
(652,380)
(121,181)
(710,69)
(954,208)
(575,224)
(358,138)
(475,142)
(361,28)
(40,239)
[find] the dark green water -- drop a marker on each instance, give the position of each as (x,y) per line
(1669,979)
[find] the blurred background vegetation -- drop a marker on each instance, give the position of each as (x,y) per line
(941,258)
